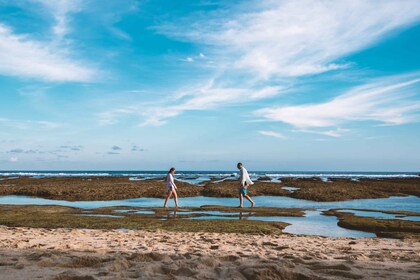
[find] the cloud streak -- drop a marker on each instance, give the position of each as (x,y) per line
(60,10)
(22,57)
(386,102)
(293,38)
(28,124)
(272,134)
(258,44)
(207,97)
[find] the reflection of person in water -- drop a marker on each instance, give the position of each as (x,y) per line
(245,215)
(168,216)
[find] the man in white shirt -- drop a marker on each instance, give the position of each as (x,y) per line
(245,182)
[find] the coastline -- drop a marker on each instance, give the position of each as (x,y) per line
(70,243)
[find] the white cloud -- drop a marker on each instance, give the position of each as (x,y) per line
(207,97)
(28,124)
(263,42)
(292,38)
(23,57)
(386,101)
(60,10)
(13,159)
(272,134)
(112,116)
(332,133)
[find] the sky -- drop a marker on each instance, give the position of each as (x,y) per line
(200,85)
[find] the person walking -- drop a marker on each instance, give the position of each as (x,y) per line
(171,188)
(245,182)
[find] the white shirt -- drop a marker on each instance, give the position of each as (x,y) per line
(170,182)
(244,177)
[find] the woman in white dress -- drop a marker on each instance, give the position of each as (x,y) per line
(171,188)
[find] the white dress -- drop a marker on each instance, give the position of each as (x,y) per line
(170,184)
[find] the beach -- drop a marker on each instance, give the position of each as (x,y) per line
(96,227)
(29,253)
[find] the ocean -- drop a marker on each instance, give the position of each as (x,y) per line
(211,174)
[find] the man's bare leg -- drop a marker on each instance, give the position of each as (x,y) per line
(250,200)
(241,200)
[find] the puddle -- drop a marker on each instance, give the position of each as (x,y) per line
(395,203)
(194,180)
(381,215)
(146,212)
(8,178)
(100,215)
(313,223)
(208,213)
(290,189)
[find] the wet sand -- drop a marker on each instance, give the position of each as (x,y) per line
(28,253)
(115,188)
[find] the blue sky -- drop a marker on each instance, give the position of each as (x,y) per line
(200,85)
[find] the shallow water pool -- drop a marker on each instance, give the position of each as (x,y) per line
(313,223)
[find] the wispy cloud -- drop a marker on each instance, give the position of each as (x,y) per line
(272,134)
(207,97)
(136,148)
(386,101)
(72,148)
(292,38)
(23,57)
(60,11)
(28,124)
(338,132)
(258,44)
(13,159)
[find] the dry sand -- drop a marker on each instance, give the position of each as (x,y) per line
(30,253)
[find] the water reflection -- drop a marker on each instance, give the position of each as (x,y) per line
(381,215)
(406,203)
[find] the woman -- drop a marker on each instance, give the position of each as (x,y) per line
(171,187)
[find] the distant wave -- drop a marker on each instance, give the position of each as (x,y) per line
(210,174)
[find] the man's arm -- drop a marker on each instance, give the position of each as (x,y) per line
(242,179)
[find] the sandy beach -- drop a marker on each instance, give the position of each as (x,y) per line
(124,242)
(29,253)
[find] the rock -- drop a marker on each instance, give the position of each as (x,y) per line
(264,178)
(185,272)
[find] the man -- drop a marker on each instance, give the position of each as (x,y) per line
(245,182)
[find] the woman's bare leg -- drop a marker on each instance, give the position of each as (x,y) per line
(167,198)
(175,198)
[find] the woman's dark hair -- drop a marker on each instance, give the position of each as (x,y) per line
(172,169)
